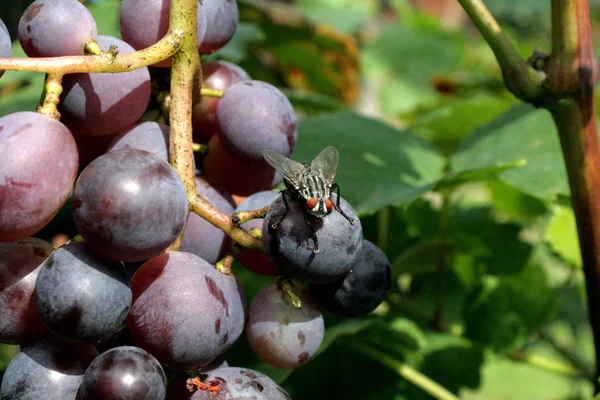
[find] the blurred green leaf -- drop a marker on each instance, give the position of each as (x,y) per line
(106,15)
(562,235)
(312,103)
(344,15)
(237,50)
(513,203)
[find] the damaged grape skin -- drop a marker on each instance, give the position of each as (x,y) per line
(240,383)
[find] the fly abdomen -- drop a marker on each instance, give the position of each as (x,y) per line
(313,186)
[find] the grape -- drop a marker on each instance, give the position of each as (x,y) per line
(80,297)
(221,21)
(124,373)
(105,103)
(90,147)
(290,245)
(38,167)
(53,28)
(129,205)
(239,176)
(179,311)
(217,363)
(49,370)
(255,116)
(216,75)
(201,237)
(362,289)
(252,259)
(149,136)
(19,262)
(5,44)
(240,383)
(236,307)
(145,22)
(279,333)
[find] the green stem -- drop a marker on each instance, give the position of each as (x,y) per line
(567,352)
(211,93)
(547,364)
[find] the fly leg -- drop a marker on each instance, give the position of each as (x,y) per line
(314,234)
(284,193)
(336,205)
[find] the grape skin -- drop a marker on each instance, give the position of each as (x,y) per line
(290,245)
(80,297)
(236,307)
(38,167)
(19,268)
(240,383)
(5,44)
(221,22)
(129,205)
(255,116)
(124,373)
(105,103)
(54,28)
(364,287)
(149,136)
(49,370)
(279,333)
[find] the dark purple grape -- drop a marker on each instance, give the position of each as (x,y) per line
(201,237)
(81,297)
(240,383)
(38,166)
(255,116)
(216,75)
(129,205)
(19,267)
(279,333)
(221,22)
(236,307)
(53,28)
(105,103)
(49,369)
(180,310)
(124,373)
(290,245)
(5,44)
(257,262)
(145,22)
(149,136)
(91,147)
(362,289)
(239,176)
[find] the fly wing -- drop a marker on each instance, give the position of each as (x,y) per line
(291,170)
(327,162)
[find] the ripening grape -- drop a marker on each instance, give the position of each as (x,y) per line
(49,369)
(81,297)
(53,28)
(38,166)
(290,245)
(19,267)
(149,136)
(362,289)
(240,383)
(221,22)
(236,307)
(90,147)
(5,44)
(279,333)
(129,205)
(105,103)
(255,116)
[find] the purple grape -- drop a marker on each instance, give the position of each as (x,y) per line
(5,44)
(255,116)
(221,22)
(217,363)
(49,369)
(145,22)
(240,383)
(257,262)
(149,136)
(201,237)
(290,245)
(236,307)
(81,297)
(124,373)
(180,310)
(54,28)
(129,205)
(216,75)
(279,333)
(362,289)
(105,103)
(38,167)
(19,267)
(90,147)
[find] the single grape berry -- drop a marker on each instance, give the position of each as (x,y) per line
(5,44)
(240,383)
(149,136)
(362,289)
(221,22)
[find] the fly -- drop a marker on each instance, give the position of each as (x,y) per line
(311,184)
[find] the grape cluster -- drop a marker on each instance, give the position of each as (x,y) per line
(105,315)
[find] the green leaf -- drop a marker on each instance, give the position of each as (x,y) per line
(521,133)
(344,15)
(561,235)
(343,328)
(379,165)
(106,15)
(312,103)
(513,203)
(237,49)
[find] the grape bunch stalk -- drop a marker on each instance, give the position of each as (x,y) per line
(145,290)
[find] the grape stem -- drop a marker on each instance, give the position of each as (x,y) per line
(244,216)
(51,96)
(288,288)
(211,93)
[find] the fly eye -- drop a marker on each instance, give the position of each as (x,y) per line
(312,203)
(329,205)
